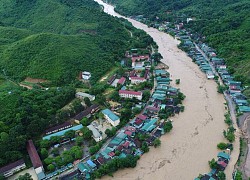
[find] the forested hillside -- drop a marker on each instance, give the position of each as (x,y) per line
(56,39)
(225,24)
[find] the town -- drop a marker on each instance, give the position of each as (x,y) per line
(131,116)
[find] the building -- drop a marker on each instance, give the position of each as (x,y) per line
(130,94)
(82,95)
(111,117)
(12,168)
(35,159)
(57,128)
(87,113)
(61,133)
(122,81)
(210,75)
(86,75)
(96,134)
(137,80)
(138,61)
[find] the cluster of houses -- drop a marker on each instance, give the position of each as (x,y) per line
(147,122)
(217,65)
(222,162)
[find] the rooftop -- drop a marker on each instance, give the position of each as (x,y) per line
(34,157)
(139,93)
(110,114)
(11,166)
(122,80)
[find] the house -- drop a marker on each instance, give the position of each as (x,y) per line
(111,79)
(86,75)
(12,168)
(57,128)
(82,95)
(121,81)
(35,159)
(111,117)
(87,113)
(96,134)
(137,80)
(210,75)
(138,61)
(130,94)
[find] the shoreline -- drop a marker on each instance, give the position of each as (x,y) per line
(185,152)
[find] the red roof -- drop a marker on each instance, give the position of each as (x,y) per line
(126,144)
(152,108)
(11,166)
(132,73)
(222,163)
(129,133)
(100,160)
(111,154)
(122,80)
(138,122)
(137,78)
(34,157)
(142,117)
(139,58)
(130,92)
(130,128)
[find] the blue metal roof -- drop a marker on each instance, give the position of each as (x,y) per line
(110,114)
(61,133)
(91,163)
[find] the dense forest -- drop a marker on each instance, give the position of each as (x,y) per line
(52,40)
(225,24)
(56,39)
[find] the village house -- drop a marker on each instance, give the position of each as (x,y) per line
(86,75)
(35,159)
(82,95)
(12,168)
(121,81)
(137,80)
(111,117)
(138,61)
(130,94)
(86,113)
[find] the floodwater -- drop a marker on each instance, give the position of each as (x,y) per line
(186,150)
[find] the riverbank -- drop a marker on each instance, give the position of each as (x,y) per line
(184,152)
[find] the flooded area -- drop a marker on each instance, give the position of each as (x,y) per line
(186,150)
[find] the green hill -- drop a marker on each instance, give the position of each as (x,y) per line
(56,39)
(226,25)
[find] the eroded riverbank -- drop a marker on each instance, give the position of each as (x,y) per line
(184,152)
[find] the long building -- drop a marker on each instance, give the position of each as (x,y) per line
(130,94)
(12,168)
(111,117)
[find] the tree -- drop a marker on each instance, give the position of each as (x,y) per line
(167,127)
(238,176)
(85,121)
(26,176)
(213,164)
(76,152)
(157,143)
(145,147)
(86,133)
(44,153)
(177,81)
(87,101)
(79,140)
(70,134)
(55,151)
(222,146)
(146,96)
(110,133)
(221,175)
(48,160)
(45,143)
(55,139)
(51,167)
(136,110)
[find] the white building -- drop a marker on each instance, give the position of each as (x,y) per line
(96,134)
(210,75)
(137,80)
(82,95)
(86,75)
(130,94)
(12,168)
(111,117)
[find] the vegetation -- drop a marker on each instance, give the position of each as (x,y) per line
(222,146)
(168,127)
(213,164)
(221,175)
(157,143)
(115,164)
(224,24)
(26,176)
